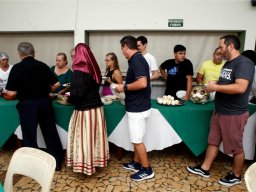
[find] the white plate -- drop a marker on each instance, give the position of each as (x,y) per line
(104,78)
(113,85)
(212,96)
(118,95)
(106,101)
(180,94)
(66,85)
(113,97)
(67,94)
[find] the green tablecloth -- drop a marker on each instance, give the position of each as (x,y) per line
(9,119)
(190,121)
(113,114)
(1,187)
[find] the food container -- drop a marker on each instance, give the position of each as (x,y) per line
(199,95)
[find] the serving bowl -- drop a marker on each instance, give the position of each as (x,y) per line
(199,95)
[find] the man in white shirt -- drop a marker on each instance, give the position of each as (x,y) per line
(5,69)
(142,47)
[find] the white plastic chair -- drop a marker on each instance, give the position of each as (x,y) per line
(250,178)
(33,163)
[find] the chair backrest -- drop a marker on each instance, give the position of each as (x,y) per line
(33,163)
(250,178)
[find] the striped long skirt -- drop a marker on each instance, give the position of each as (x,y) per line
(87,145)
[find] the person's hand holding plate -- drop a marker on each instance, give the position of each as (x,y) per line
(118,90)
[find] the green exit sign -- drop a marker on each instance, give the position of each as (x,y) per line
(175,22)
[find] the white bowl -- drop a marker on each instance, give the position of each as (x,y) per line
(106,101)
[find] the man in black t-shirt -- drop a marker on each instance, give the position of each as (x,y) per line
(231,111)
(31,81)
(178,73)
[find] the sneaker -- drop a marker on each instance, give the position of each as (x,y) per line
(198,170)
(142,174)
(230,179)
(134,166)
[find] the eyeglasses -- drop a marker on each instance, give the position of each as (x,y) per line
(107,60)
(4,60)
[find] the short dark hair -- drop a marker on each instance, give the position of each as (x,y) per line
(130,41)
(231,39)
(142,39)
(178,48)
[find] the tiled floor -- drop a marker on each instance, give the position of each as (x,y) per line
(169,166)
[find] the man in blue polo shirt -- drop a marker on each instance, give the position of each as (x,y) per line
(137,103)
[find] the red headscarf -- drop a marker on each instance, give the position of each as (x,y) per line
(85,61)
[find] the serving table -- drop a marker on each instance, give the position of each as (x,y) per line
(167,125)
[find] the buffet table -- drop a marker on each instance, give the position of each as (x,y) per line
(9,118)
(167,125)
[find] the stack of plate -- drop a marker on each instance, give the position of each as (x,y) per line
(121,96)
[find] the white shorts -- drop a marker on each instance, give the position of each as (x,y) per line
(137,125)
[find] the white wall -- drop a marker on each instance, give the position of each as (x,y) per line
(80,15)
(123,15)
(199,45)
(46,45)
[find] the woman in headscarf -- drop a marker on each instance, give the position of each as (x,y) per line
(87,146)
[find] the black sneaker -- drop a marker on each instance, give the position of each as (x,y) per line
(198,170)
(230,179)
(134,166)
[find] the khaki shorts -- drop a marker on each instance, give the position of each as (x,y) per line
(137,125)
(229,129)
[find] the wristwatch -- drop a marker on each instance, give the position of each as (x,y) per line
(125,88)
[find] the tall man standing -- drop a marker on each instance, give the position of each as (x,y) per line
(142,43)
(231,110)
(137,103)
(30,81)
